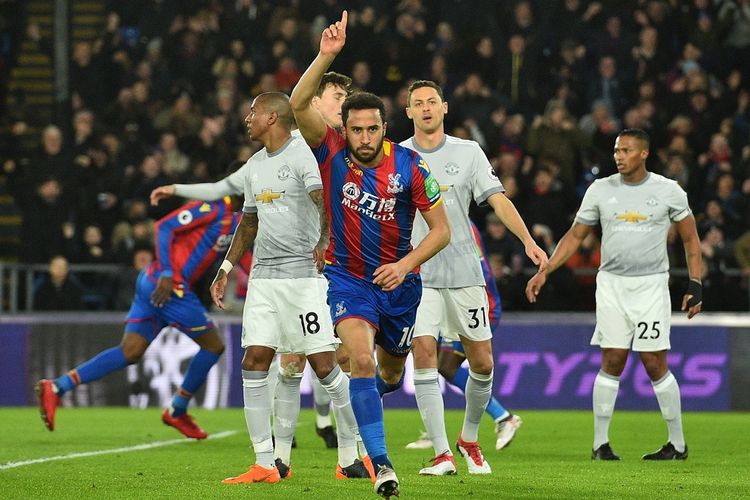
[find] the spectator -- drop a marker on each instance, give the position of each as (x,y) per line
(608,86)
(46,209)
(176,162)
(546,203)
(517,74)
(555,136)
(58,290)
(499,241)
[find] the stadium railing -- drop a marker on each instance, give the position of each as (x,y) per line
(17,280)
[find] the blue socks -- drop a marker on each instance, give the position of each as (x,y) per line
(494,408)
(369,413)
(194,378)
(384,387)
(102,364)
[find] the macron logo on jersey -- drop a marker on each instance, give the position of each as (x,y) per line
(381,209)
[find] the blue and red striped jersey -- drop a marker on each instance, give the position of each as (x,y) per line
(493,294)
(190,239)
(371,210)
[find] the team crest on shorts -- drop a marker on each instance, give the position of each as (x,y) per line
(284,172)
(340,309)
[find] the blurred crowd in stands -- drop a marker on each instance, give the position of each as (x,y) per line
(543,86)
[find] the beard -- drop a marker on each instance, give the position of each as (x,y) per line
(369,155)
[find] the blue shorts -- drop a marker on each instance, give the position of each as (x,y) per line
(452,346)
(185,313)
(392,314)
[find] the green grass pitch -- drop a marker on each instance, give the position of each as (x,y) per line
(548,459)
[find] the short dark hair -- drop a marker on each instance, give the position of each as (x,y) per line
(335,79)
(421,84)
(277,102)
(362,100)
(639,134)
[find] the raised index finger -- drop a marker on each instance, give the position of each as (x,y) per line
(344,18)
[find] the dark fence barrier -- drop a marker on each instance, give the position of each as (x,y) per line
(542,361)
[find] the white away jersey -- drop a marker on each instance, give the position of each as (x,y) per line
(635,219)
(233,184)
(277,187)
(464,173)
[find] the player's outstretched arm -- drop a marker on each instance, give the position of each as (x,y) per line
(692,301)
(389,276)
(319,251)
(567,246)
(230,185)
(309,120)
(162,192)
(243,238)
(508,214)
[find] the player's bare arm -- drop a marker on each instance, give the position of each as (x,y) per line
(243,238)
(390,276)
(320,248)
(508,214)
(162,192)
(567,246)
(309,120)
(692,301)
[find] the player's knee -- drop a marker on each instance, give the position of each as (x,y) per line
(391,376)
(322,363)
(482,366)
(613,365)
(256,360)
(133,352)
(342,358)
(424,352)
(654,367)
(292,364)
(217,349)
(362,364)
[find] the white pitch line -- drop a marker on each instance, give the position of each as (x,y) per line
(138,447)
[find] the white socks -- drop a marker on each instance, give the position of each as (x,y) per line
(431,407)
(603,400)
(337,386)
(668,395)
(478,393)
(286,409)
(257,412)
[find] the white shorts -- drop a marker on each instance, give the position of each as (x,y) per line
(288,315)
(450,312)
(632,312)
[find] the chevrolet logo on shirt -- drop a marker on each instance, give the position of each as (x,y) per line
(267,196)
(445,187)
(631,217)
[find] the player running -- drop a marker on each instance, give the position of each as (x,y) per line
(188,243)
(372,189)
